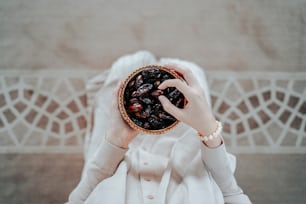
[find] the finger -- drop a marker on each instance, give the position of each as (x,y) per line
(177,83)
(170,108)
(186,72)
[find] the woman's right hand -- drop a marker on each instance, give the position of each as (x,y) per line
(119,133)
(197,113)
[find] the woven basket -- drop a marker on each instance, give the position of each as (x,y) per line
(121,99)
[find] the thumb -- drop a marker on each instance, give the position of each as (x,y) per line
(170,108)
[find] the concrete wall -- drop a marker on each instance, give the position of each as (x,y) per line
(222,34)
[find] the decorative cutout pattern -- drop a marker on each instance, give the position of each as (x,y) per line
(261,112)
(46,111)
(42,112)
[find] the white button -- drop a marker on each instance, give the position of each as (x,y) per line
(147,179)
(151,197)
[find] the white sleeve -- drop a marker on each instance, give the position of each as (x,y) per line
(100,167)
(222,166)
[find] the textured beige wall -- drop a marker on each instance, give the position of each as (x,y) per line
(221,34)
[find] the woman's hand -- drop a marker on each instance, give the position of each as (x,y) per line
(197,113)
(119,133)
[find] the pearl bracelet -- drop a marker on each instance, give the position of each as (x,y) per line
(213,135)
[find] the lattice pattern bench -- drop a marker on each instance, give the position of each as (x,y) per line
(46,111)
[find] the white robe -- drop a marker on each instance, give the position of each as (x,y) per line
(173,168)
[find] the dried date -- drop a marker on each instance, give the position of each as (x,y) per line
(139,81)
(135,107)
(146,100)
(157,92)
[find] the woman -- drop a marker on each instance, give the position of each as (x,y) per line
(187,165)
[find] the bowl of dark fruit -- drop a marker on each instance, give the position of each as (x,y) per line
(138,99)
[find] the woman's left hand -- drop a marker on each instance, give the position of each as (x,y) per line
(119,133)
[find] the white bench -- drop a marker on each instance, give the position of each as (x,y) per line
(47,111)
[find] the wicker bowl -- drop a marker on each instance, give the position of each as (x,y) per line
(125,98)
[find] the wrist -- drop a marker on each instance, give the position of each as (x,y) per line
(213,143)
(212,138)
(207,126)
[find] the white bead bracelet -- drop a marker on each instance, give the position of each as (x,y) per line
(213,135)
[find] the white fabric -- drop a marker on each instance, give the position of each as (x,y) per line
(186,166)
(172,168)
